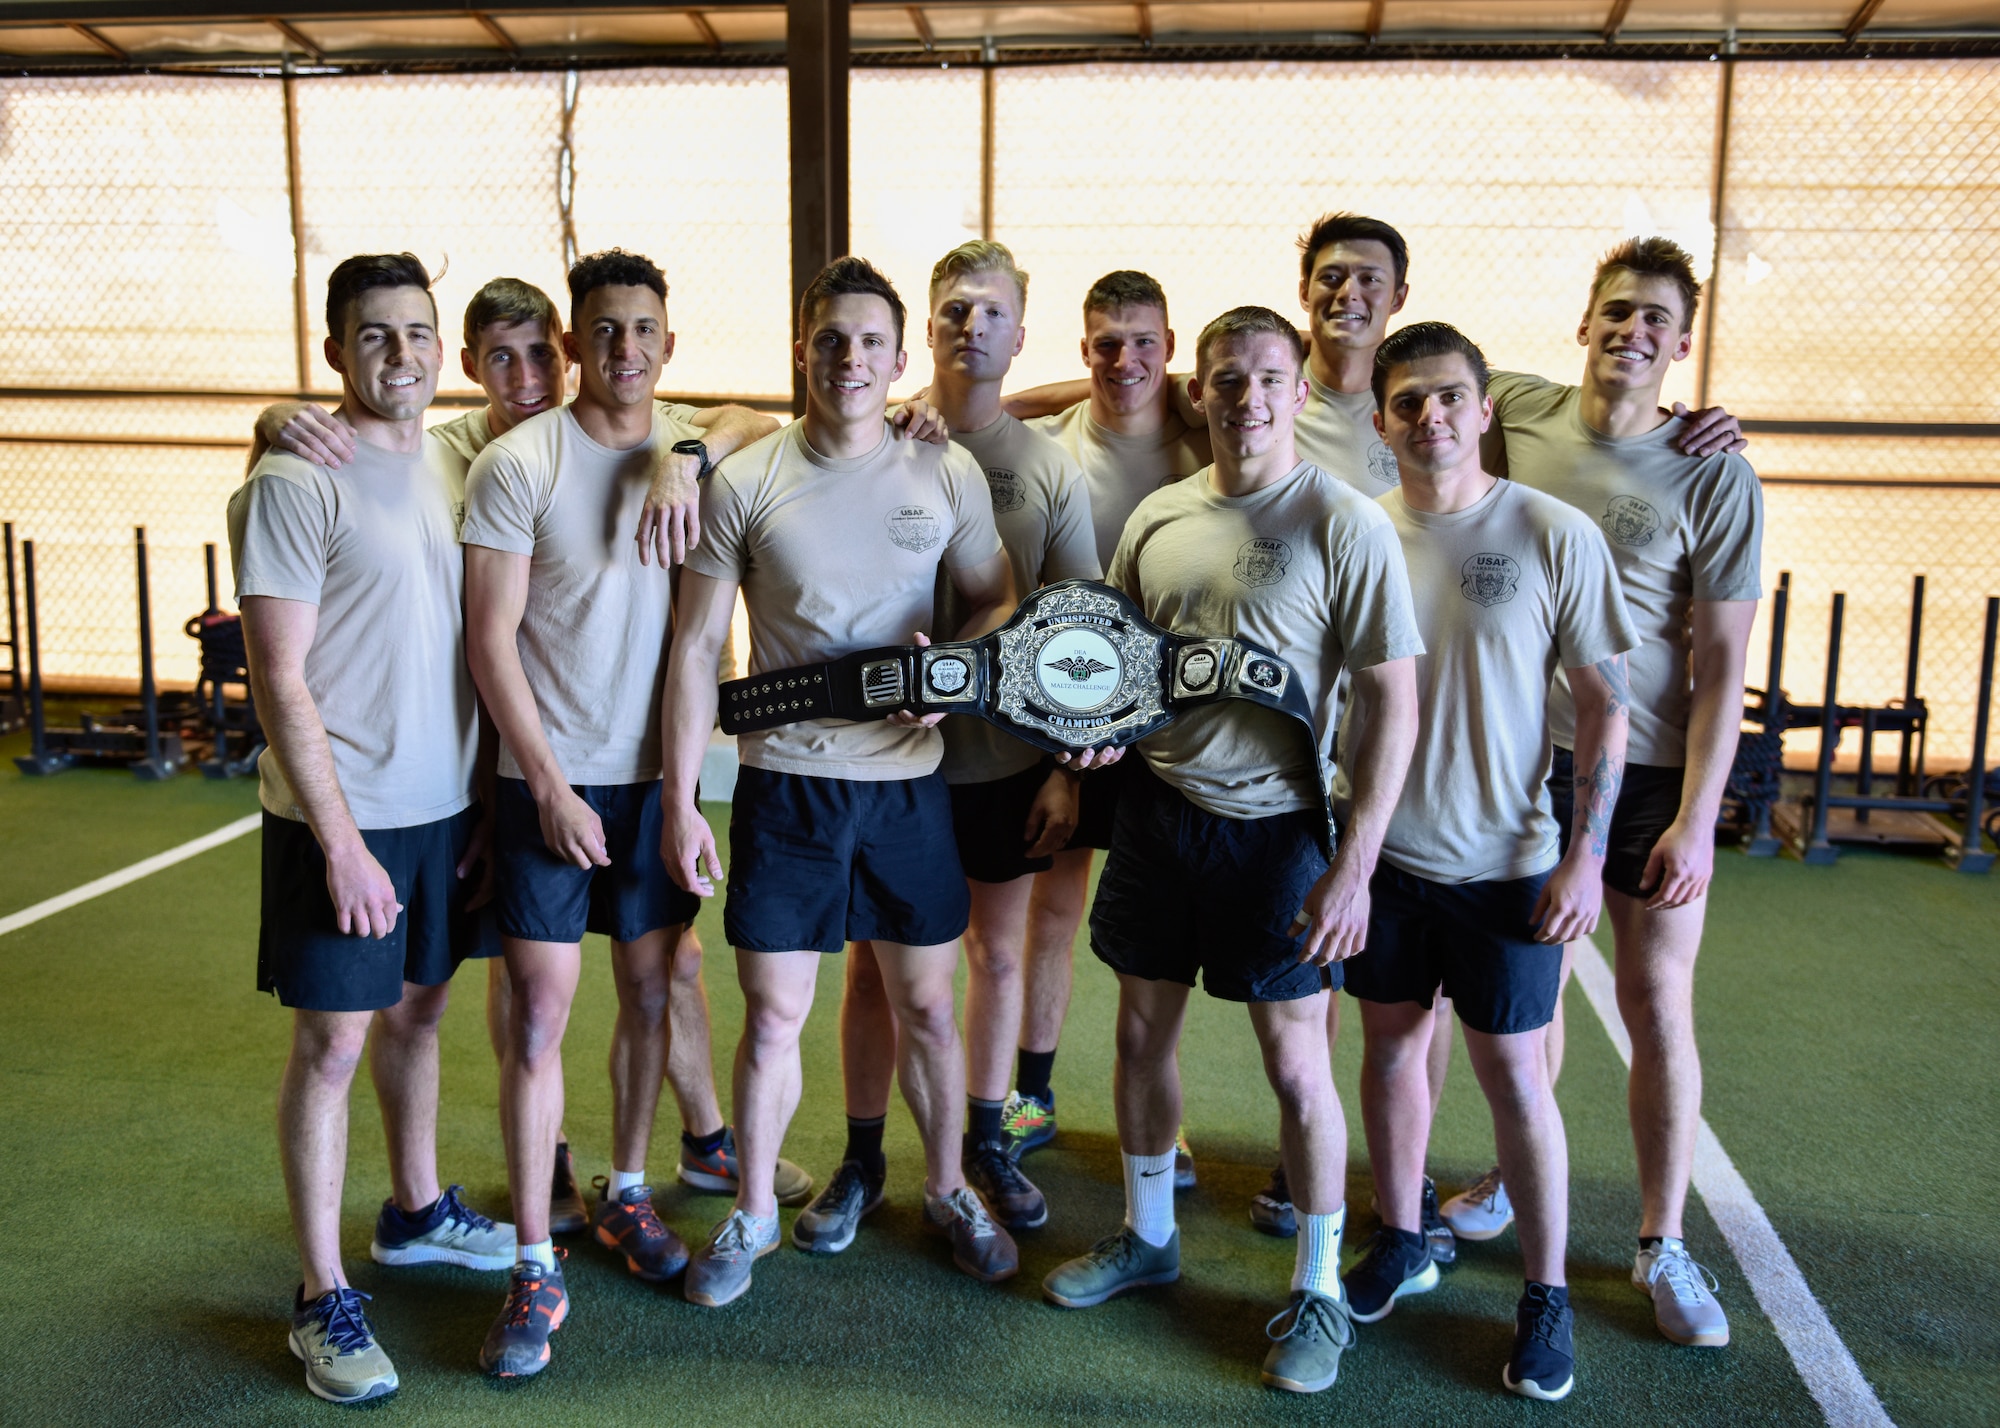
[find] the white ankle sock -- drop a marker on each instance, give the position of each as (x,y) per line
(1317,1267)
(543,1254)
(623,1180)
(1149,1196)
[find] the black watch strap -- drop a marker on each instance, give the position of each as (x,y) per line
(697,448)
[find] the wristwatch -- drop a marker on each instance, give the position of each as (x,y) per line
(1078,666)
(694,447)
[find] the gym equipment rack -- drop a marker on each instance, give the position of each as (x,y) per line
(138,745)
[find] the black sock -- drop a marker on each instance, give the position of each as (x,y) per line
(864,1143)
(1558,1294)
(1031,1076)
(1649,1242)
(1413,1243)
(705,1144)
(982,1120)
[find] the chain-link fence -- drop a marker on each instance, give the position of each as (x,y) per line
(150,225)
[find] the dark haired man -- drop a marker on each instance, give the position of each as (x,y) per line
(1685,533)
(1217,864)
(514,351)
(566,636)
(1472,894)
(1127,434)
(836,535)
(350,591)
(1011,809)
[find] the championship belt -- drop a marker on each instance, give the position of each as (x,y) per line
(1077,667)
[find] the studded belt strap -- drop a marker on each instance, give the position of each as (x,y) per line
(1078,666)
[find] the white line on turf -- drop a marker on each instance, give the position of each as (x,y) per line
(1829,1370)
(145,867)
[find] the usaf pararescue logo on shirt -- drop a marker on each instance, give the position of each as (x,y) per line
(1630,521)
(914,528)
(1382,465)
(1490,579)
(1261,561)
(1010,492)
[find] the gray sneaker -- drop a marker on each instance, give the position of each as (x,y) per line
(978,1245)
(719,1273)
(828,1225)
(1683,1296)
(1113,1265)
(449,1232)
(332,1337)
(1306,1343)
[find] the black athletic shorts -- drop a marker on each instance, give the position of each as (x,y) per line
(304,957)
(816,863)
(544,898)
(1475,940)
(1097,798)
(1649,800)
(991,819)
(1186,891)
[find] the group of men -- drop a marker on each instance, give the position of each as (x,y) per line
(488,693)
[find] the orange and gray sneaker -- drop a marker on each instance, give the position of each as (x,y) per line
(1183,1161)
(568,1215)
(979,1246)
(628,1225)
(517,1346)
(714,1169)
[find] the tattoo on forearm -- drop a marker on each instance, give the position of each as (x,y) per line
(1595,797)
(1618,684)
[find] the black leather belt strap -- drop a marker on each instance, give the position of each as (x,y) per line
(1144,677)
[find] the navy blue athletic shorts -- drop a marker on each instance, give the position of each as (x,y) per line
(990,819)
(816,863)
(544,898)
(1185,891)
(1097,802)
(304,957)
(1649,800)
(1474,940)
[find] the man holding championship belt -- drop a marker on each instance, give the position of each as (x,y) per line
(1217,861)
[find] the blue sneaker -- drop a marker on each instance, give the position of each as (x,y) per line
(1543,1365)
(1397,1263)
(1027,1122)
(449,1232)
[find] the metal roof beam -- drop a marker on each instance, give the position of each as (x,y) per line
(492,27)
(98,40)
(707,31)
(1852,30)
(1615,21)
(923,25)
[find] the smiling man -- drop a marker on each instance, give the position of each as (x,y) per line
(1012,809)
(1130,438)
(566,635)
(1217,867)
(350,587)
(1685,533)
(837,535)
(1472,894)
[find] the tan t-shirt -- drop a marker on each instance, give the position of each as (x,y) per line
(1121,471)
(1336,432)
(375,546)
(1042,511)
(1682,528)
(1308,568)
(1506,591)
(468,432)
(593,636)
(838,555)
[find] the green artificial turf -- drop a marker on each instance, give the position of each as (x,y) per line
(1847,1021)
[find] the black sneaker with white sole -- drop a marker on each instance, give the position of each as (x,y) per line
(1543,1364)
(1398,1262)
(829,1223)
(1444,1245)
